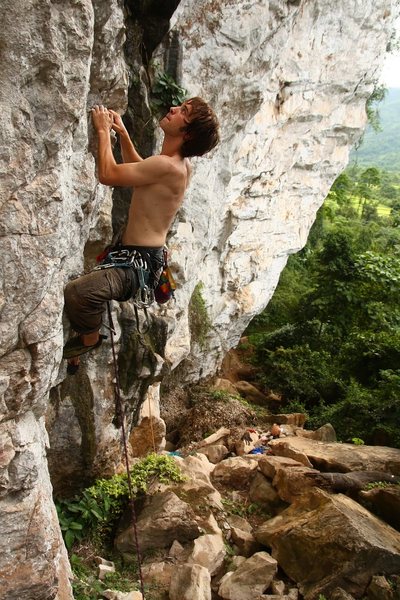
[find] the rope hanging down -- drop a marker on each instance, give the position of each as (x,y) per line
(120,417)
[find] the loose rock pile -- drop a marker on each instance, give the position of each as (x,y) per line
(258,517)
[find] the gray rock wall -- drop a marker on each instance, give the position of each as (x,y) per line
(289,81)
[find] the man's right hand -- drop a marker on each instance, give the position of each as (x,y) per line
(102,119)
(118,124)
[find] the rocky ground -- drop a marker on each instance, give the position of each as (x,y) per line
(268,510)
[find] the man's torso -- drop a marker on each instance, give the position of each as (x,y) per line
(153,207)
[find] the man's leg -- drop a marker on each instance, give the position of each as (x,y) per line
(85,302)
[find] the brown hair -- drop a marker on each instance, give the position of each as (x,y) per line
(202,133)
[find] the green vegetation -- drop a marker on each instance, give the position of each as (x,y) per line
(357,441)
(224,396)
(95,512)
(244,509)
(86,586)
(199,321)
(89,521)
(166,92)
(329,341)
(377,484)
(380,145)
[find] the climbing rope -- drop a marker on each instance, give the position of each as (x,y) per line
(120,417)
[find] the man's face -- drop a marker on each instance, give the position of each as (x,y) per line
(177,119)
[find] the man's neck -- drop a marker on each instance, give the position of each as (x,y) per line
(172,147)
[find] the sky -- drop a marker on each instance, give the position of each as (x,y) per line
(391,71)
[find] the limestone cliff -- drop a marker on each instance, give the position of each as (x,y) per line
(289,81)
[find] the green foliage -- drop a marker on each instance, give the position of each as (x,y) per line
(220,395)
(377,485)
(331,348)
(199,321)
(86,585)
(244,509)
(382,148)
(372,109)
(95,512)
(166,92)
(357,441)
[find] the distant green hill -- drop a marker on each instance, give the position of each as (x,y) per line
(382,149)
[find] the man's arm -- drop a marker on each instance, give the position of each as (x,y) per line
(128,150)
(143,172)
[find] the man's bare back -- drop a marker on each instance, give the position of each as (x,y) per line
(154,206)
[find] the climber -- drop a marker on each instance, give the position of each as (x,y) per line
(159,184)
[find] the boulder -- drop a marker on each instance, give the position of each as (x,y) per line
(262,491)
(208,549)
(379,589)
(385,502)
(269,464)
(326,433)
(165,518)
(197,488)
(190,582)
(159,573)
(245,542)
(250,579)
(215,453)
(235,472)
(340,457)
(176,550)
(148,436)
(325,541)
(224,385)
(219,435)
(293,481)
(295,419)
(251,393)
(239,523)
(282,448)
(278,587)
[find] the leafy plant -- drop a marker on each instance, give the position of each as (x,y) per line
(378,485)
(199,321)
(166,92)
(244,510)
(96,510)
(357,441)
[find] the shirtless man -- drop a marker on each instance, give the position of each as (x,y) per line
(159,184)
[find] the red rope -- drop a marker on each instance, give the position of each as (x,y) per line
(120,416)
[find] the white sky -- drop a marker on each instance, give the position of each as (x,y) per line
(391,71)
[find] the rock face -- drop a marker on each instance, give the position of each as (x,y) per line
(289,81)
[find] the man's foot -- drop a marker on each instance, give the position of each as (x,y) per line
(73,365)
(79,345)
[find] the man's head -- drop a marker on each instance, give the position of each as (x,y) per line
(202,129)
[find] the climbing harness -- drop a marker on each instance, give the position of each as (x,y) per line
(131,258)
(120,417)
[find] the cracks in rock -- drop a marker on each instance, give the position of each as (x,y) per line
(227,230)
(153,17)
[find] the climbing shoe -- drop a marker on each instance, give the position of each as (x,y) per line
(75,346)
(72,369)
